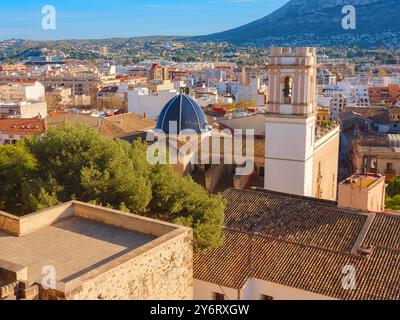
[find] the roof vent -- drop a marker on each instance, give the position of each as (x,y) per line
(365,251)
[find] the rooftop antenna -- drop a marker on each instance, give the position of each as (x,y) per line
(185,90)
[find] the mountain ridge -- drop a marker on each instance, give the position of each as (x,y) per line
(313,22)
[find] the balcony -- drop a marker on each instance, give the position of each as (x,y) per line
(391,172)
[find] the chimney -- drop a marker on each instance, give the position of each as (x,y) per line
(363,192)
(145,115)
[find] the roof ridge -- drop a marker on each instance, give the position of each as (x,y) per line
(285,195)
(300,244)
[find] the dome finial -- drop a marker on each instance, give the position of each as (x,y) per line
(184,90)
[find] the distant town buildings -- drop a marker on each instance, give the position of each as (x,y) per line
(104,51)
(22,99)
(149,100)
(158,72)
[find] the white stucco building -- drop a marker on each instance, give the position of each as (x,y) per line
(254,92)
(142,101)
(29,90)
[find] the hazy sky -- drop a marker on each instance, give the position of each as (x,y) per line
(126,18)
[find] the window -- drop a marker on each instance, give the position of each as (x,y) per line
(389,166)
(262,172)
(218,296)
(265,297)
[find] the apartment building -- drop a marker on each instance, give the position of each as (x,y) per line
(19,90)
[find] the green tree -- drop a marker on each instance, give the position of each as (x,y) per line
(393,188)
(187,203)
(17,176)
(74,162)
(393,203)
(90,167)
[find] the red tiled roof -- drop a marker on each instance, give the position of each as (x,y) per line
(22,126)
(24,81)
(303,243)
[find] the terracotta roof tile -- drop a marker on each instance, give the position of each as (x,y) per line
(297,219)
(302,243)
(384,232)
(22,126)
(115,126)
(129,123)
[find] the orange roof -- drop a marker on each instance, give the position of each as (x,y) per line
(28,81)
(56,113)
(22,126)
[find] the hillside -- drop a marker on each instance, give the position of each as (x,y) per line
(318,22)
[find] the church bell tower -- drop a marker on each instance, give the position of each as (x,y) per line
(290,124)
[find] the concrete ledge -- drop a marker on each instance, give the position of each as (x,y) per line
(11,272)
(123,220)
(46,217)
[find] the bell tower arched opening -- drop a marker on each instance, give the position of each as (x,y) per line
(287,90)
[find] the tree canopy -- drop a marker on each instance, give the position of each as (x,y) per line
(74,162)
(393,194)
(393,187)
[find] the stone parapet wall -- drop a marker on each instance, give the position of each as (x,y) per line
(164,272)
(9,223)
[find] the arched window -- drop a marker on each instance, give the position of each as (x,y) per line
(287,90)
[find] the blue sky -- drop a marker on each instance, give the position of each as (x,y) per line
(126,18)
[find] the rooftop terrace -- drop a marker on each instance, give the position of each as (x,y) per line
(362,180)
(79,240)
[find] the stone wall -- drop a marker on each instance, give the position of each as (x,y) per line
(18,226)
(240,182)
(213,175)
(163,272)
(10,272)
(13,281)
(9,223)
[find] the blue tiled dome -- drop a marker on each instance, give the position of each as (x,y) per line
(185,112)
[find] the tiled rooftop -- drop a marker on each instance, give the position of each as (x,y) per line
(305,244)
(384,232)
(115,126)
(22,126)
(276,215)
